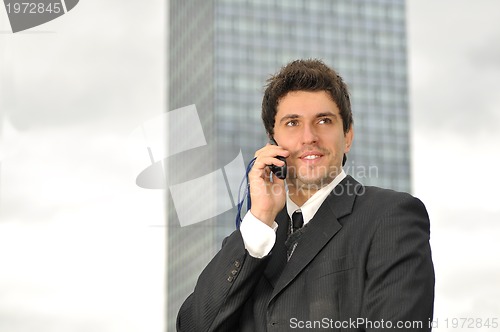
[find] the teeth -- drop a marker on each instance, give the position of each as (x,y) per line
(310,157)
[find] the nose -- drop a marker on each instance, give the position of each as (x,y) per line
(309,135)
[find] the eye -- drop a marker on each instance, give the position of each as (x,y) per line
(325,120)
(292,123)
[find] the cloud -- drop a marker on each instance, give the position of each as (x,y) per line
(97,71)
(76,234)
(77,246)
(454,67)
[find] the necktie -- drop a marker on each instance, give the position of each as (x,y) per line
(295,233)
(297,221)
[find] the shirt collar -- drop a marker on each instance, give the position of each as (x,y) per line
(311,206)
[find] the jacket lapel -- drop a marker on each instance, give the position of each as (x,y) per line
(278,254)
(320,230)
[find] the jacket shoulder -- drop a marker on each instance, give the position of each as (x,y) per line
(385,199)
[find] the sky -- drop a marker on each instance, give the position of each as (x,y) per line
(454,57)
(80,246)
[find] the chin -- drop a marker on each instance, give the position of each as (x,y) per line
(315,181)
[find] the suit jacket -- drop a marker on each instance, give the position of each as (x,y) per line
(362,264)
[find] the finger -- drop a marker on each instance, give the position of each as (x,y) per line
(260,174)
(271,150)
(263,162)
(278,181)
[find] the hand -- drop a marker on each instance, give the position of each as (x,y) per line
(268,197)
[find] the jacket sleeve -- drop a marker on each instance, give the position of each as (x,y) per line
(222,289)
(400,273)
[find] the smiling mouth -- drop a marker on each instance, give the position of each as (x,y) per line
(311,157)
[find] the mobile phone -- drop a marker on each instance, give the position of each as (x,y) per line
(279,171)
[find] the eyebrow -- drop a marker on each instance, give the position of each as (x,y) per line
(296,116)
(322,115)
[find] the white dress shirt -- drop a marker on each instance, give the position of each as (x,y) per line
(259,238)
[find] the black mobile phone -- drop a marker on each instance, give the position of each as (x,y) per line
(279,171)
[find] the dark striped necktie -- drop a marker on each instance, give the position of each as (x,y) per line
(295,233)
(297,221)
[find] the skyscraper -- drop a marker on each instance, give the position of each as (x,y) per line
(220,54)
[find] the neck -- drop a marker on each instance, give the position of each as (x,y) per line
(300,194)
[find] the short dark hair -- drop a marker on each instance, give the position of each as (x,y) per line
(305,75)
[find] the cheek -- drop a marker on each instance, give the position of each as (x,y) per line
(337,143)
(287,141)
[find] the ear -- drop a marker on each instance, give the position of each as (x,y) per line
(349,136)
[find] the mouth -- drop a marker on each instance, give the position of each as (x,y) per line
(311,157)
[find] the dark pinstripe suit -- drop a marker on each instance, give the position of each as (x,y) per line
(365,254)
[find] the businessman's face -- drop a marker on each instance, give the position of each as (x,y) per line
(309,125)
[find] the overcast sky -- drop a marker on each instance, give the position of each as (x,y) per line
(80,249)
(454,54)
(79,246)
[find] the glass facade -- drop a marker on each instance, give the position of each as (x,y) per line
(220,54)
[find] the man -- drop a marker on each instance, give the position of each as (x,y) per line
(360,262)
